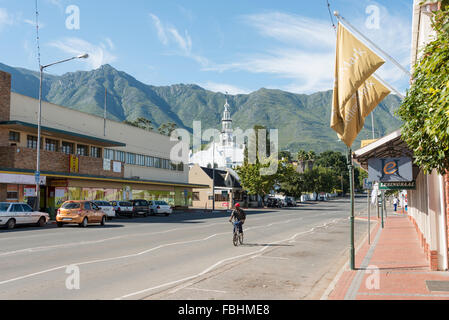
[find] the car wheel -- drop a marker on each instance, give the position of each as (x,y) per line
(152,212)
(11,224)
(167,214)
(84,223)
(60,224)
(103,221)
(41,222)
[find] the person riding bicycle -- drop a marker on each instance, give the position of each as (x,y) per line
(239,217)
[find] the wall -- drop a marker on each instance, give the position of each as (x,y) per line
(137,140)
(24,158)
(5,95)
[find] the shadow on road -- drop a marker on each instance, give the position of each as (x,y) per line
(265,245)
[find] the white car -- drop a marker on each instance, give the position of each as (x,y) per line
(160,207)
(12,214)
(107,208)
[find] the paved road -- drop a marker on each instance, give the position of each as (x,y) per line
(289,253)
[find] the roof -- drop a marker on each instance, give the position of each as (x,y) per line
(15,124)
(102,178)
(389,146)
(220,178)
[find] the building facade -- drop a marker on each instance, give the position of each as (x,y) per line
(83,156)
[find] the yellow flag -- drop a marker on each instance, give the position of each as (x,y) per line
(354,64)
(361,104)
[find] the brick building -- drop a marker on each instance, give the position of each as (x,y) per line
(83,157)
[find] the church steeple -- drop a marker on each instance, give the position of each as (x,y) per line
(226,125)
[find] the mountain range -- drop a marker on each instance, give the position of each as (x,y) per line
(303,120)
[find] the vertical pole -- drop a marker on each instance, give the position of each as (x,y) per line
(372,124)
(382,204)
(105,112)
(213,175)
(351,182)
(38,158)
(369,218)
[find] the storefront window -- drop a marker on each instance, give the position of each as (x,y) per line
(32,142)
(120,156)
(95,152)
(109,154)
(15,136)
(130,158)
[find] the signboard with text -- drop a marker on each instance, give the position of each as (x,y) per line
(390,169)
(74,164)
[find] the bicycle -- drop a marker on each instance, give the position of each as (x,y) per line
(237,236)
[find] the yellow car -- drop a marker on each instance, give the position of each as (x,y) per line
(81,213)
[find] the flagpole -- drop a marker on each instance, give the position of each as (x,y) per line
(351,188)
(386,55)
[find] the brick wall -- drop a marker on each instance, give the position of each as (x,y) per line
(52,161)
(5,96)
(431,255)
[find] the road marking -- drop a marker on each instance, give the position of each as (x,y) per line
(217,264)
(135,254)
(206,290)
(270,257)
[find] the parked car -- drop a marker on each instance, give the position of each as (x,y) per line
(81,213)
(158,207)
(274,203)
(140,207)
(290,202)
(122,208)
(12,214)
(107,208)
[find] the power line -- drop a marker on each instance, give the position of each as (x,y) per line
(331,16)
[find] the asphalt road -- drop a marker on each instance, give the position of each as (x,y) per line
(290,253)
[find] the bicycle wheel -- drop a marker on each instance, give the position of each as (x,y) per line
(241,238)
(235,239)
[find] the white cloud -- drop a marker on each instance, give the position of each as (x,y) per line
(223,88)
(98,54)
(6,19)
(169,34)
(160,29)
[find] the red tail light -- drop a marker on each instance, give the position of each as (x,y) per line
(118,209)
(59,211)
(158,207)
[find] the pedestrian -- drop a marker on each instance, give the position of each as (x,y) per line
(395,203)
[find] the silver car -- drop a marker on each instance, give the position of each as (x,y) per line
(12,214)
(107,208)
(157,207)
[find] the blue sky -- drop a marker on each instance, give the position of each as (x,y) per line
(236,45)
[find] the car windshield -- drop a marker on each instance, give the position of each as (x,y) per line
(71,205)
(125,204)
(163,203)
(4,206)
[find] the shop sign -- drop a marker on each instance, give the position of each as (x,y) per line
(21,179)
(117,167)
(106,165)
(367,185)
(407,185)
(390,169)
(74,164)
(29,191)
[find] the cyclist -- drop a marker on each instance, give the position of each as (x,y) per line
(239,217)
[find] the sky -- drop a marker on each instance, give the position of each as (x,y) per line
(237,46)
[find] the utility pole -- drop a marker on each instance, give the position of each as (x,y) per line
(105,110)
(213,175)
(351,181)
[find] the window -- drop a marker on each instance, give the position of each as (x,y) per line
(82,150)
(181,167)
(95,152)
(17,208)
(14,136)
(149,161)
(51,145)
(140,160)
(130,158)
(71,205)
(27,208)
(86,205)
(67,147)
(12,195)
(120,156)
(109,154)
(220,197)
(173,166)
(158,162)
(196,196)
(32,142)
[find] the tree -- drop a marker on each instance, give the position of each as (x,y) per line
(253,182)
(425,109)
(167,128)
(141,123)
(285,155)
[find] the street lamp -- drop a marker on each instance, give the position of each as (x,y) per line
(37,174)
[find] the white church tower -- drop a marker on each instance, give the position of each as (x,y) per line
(226,154)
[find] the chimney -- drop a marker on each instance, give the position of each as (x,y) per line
(5,96)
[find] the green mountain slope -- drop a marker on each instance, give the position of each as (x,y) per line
(302,120)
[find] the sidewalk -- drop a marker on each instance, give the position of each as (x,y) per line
(393,267)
